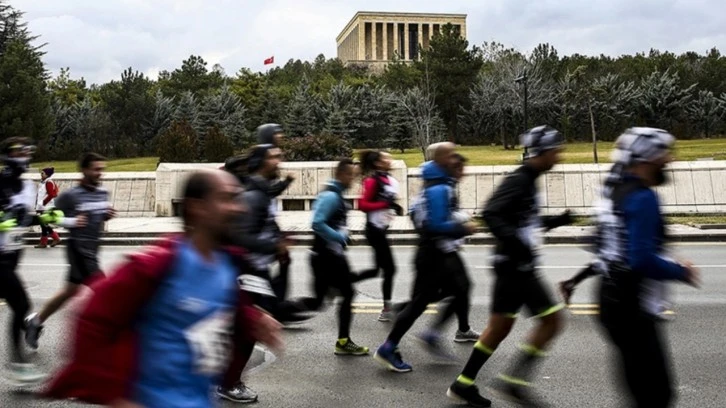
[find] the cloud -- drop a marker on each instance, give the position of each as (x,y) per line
(99,39)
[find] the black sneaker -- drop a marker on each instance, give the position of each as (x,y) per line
(33,329)
(520,394)
(566,289)
(239,393)
(468,394)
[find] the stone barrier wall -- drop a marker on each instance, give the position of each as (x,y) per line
(694,187)
(132,194)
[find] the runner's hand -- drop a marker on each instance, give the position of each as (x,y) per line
(693,275)
(81,221)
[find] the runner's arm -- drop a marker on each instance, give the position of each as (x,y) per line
(642,217)
(325,206)
(367,202)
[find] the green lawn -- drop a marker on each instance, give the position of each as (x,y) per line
(135,164)
(478,155)
(686,150)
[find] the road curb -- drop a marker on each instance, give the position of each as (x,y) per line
(305,238)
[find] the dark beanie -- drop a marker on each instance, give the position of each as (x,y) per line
(266,133)
(49,171)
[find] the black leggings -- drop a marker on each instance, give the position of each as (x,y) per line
(332,271)
(45,230)
(378,240)
(437,274)
(643,364)
(13,291)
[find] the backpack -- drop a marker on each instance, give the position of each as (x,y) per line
(418,212)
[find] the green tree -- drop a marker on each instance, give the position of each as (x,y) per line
(217,147)
(224,110)
(453,68)
(23,95)
(178,144)
(67,90)
(302,111)
(193,76)
(130,105)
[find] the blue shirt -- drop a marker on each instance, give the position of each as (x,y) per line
(183,332)
(644,225)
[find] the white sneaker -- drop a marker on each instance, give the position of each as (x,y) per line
(23,374)
(469,336)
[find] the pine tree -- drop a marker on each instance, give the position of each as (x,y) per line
(340,110)
(23,94)
(707,110)
(301,118)
(188,111)
(224,110)
(398,132)
(161,119)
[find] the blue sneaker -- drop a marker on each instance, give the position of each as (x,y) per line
(388,355)
(432,342)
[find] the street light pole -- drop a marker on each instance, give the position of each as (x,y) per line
(523,80)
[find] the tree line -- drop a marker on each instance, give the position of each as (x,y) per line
(465,93)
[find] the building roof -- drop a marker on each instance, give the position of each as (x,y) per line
(392,14)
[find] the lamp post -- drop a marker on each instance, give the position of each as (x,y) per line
(523,80)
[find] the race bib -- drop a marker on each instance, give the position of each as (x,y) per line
(255,284)
(210,341)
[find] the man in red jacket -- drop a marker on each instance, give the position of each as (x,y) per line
(157,332)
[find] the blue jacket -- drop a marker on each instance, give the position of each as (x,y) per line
(327,203)
(439,203)
(644,225)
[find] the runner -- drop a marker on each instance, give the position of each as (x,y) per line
(635,270)
(156,332)
(378,201)
(512,214)
(256,231)
(464,333)
(328,260)
(16,203)
(47,192)
(438,266)
(86,208)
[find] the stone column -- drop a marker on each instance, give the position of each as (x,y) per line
(406,42)
(395,40)
(386,51)
(431,31)
(374,42)
(361,54)
(419,41)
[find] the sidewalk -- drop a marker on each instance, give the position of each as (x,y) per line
(138,231)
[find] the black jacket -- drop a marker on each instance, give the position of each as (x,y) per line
(512,212)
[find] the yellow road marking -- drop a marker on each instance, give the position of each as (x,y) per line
(373,311)
(595,312)
(583,306)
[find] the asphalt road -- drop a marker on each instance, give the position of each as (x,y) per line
(577,374)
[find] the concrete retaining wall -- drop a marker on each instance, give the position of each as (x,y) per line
(310,179)
(132,194)
(695,187)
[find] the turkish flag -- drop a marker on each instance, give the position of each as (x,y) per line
(270,60)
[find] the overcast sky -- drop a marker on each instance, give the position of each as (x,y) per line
(98,39)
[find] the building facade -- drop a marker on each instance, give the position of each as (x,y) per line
(374,38)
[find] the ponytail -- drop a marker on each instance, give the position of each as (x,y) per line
(368,159)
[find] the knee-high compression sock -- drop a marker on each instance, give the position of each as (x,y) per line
(528,358)
(478,358)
